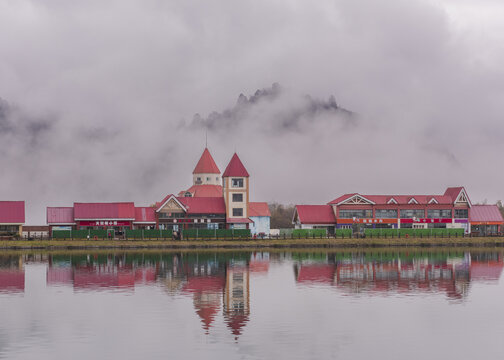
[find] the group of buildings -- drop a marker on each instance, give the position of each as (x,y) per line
(214,201)
(222,201)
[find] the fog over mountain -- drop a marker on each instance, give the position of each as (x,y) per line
(112,101)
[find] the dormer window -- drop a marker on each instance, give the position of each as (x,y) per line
(187,194)
(237,182)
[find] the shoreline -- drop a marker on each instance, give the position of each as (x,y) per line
(250,244)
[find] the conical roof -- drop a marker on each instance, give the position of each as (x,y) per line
(206,164)
(235,168)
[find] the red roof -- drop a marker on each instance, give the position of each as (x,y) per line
(92,211)
(60,215)
(203,191)
(235,168)
(12,212)
(490,270)
(203,205)
(485,213)
(315,214)
(145,215)
(206,164)
(258,209)
(204,284)
(400,199)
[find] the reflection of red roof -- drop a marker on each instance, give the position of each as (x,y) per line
(92,211)
(204,191)
(12,281)
(145,215)
(62,275)
(12,212)
(207,312)
(236,322)
(60,215)
(203,205)
(485,213)
(91,279)
(258,209)
(316,273)
(204,283)
(259,266)
(206,164)
(145,275)
(490,270)
(235,168)
(315,214)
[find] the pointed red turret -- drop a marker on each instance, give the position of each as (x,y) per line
(235,168)
(206,164)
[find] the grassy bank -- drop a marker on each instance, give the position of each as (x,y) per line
(252,244)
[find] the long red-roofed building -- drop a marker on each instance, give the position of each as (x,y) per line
(117,216)
(453,209)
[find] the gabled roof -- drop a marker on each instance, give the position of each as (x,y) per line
(456,192)
(400,199)
(145,215)
(203,191)
(315,214)
(60,215)
(203,205)
(352,198)
(485,213)
(92,211)
(12,212)
(162,203)
(206,164)
(235,168)
(258,209)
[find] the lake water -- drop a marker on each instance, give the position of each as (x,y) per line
(359,304)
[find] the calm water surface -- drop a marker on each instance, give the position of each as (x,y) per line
(241,305)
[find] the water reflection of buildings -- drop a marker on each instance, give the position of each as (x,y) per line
(213,280)
(92,272)
(216,282)
(12,275)
(385,273)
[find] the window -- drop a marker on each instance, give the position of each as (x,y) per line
(237,183)
(439,214)
(237,212)
(217,178)
(412,213)
(461,213)
(207,179)
(386,214)
(237,197)
(198,179)
(349,214)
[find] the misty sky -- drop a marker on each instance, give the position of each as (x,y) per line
(110,101)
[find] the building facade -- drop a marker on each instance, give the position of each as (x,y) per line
(115,217)
(453,209)
(214,201)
